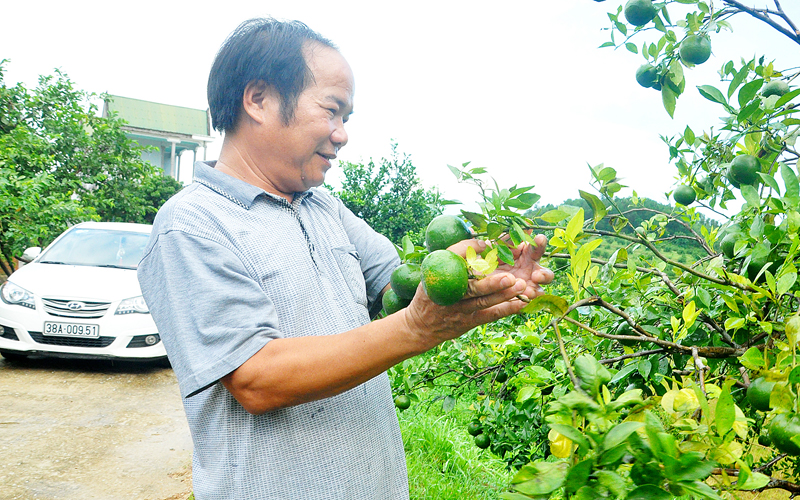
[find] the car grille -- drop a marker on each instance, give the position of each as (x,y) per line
(80,309)
(71,341)
(8,333)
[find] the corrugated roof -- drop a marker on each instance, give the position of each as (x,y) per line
(157,116)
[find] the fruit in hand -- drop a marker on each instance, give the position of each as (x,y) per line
(758,393)
(482,441)
(647,75)
(474,428)
(405,280)
(445,277)
(775,87)
(445,230)
(783,427)
(402,401)
(684,195)
(695,49)
(639,12)
(392,303)
(744,169)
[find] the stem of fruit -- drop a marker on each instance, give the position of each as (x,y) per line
(563,350)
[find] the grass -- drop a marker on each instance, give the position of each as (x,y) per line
(443,461)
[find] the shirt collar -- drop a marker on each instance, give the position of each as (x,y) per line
(236,190)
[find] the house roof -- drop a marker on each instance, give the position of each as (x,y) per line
(159,117)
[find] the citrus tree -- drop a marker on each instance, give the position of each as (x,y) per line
(641,376)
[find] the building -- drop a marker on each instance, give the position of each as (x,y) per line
(171,130)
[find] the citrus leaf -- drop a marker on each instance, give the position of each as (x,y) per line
(598,208)
(749,91)
(648,492)
(712,94)
(573,434)
(726,414)
(540,478)
(668,98)
(554,216)
(551,303)
(619,433)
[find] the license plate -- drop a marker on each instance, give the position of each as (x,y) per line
(71,330)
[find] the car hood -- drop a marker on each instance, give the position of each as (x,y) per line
(77,282)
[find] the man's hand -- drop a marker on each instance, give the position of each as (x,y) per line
(486,300)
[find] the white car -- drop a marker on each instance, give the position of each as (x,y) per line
(80,298)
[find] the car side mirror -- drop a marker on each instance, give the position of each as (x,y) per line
(28,255)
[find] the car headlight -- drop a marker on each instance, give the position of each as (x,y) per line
(16,295)
(132,305)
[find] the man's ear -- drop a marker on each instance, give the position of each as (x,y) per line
(259,100)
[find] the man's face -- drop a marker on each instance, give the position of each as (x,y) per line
(295,157)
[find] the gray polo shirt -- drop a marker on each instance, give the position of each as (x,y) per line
(230,267)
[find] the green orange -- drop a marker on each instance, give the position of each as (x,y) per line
(647,75)
(392,303)
(758,393)
(405,280)
(445,230)
(474,428)
(445,277)
(402,401)
(639,12)
(728,244)
(684,195)
(482,441)
(783,427)
(775,87)
(695,49)
(744,169)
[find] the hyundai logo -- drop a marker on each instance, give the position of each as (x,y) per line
(75,306)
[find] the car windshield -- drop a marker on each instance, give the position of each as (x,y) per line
(97,247)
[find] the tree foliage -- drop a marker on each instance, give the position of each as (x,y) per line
(61,163)
(639,375)
(389,197)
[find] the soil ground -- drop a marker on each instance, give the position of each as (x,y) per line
(92,430)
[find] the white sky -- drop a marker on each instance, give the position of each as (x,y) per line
(517,87)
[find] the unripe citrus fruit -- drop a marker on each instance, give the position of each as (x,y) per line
(402,401)
(639,12)
(501,377)
(405,280)
(482,441)
(783,427)
(755,266)
(445,277)
(728,244)
(684,195)
(744,169)
(625,329)
(775,87)
(445,230)
(474,428)
(647,75)
(695,49)
(392,303)
(758,393)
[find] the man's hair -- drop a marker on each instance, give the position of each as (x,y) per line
(260,50)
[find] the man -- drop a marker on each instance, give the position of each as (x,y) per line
(262,288)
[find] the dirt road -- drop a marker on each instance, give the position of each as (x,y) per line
(81,430)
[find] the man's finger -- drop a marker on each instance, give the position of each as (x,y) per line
(461,247)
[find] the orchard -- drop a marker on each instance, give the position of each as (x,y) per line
(639,375)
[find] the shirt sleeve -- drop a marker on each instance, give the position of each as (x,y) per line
(378,255)
(211,315)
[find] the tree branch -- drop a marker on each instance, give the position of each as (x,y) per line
(639,354)
(764,17)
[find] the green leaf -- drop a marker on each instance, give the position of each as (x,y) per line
(573,434)
(575,225)
(477,220)
(787,97)
(540,478)
(578,475)
(551,303)
(554,216)
(712,94)
(632,47)
(750,195)
(726,413)
(612,481)
(749,91)
(737,80)
(619,433)
(749,480)
(752,359)
(504,253)
(701,490)
(792,194)
(448,403)
(648,492)
(598,208)
(668,98)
